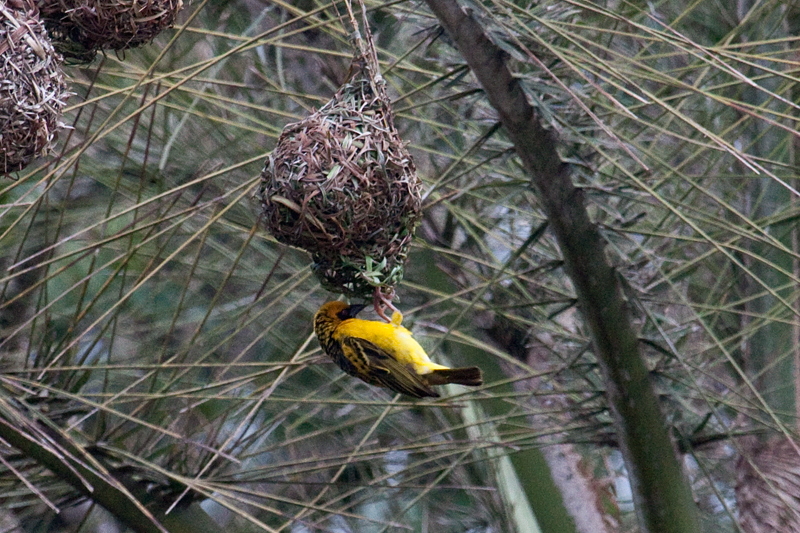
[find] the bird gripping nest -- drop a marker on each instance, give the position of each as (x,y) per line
(341,185)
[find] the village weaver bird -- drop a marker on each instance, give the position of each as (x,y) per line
(383,354)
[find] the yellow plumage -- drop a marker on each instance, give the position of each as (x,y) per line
(383,354)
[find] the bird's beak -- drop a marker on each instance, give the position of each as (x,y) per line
(351,311)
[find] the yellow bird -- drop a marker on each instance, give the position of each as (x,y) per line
(383,354)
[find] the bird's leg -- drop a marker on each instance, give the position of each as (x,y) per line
(381,301)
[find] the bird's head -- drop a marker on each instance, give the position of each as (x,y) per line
(328,318)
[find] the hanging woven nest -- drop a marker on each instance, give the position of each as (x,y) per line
(341,185)
(768,486)
(32,86)
(79,28)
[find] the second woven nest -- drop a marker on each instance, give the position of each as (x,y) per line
(79,28)
(341,185)
(33,90)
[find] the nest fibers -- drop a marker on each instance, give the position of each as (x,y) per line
(341,185)
(32,86)
(81,27)
(768,486)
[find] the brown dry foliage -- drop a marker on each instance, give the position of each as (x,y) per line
(33,90)
(341,185)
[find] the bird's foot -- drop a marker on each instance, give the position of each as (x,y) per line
(382,301)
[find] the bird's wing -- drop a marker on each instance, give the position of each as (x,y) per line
(385,369)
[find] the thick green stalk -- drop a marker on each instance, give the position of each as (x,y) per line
(662,493)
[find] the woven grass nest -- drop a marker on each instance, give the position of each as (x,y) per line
(32,86)
(80,28)
(341,185)
(768,486)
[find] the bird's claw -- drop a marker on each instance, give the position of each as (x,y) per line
(382,301)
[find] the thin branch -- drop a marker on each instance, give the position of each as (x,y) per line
(76,467)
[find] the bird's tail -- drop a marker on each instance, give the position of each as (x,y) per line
(470,376)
